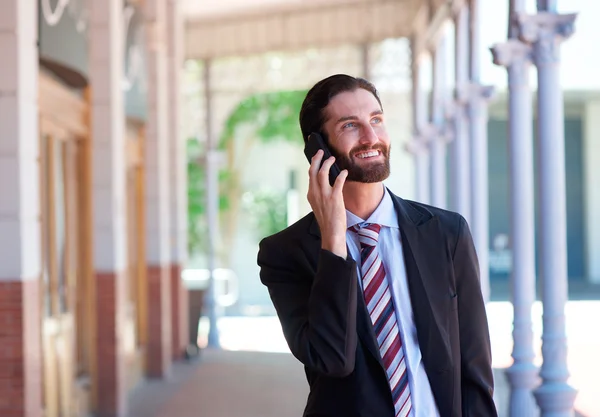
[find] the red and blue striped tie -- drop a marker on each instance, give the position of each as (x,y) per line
(380,305)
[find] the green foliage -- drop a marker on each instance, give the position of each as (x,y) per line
(271,117)
(267,209)
(197,227)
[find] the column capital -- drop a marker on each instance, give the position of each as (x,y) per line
(456,7)
(462,92)
(432,132)
(486,92)
(416,146)
(548,30)
(476,90)
(511,52)
(429,132)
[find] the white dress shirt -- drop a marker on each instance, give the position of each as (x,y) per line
(390,250)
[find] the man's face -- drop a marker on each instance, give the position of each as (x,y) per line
(354,125)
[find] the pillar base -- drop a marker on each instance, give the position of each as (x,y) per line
(158,359)
(556,399)
(179,314)
(20,352)
(111,302)
(522,379)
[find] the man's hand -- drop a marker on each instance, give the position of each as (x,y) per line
(327,203)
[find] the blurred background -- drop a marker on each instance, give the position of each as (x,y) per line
(147,146)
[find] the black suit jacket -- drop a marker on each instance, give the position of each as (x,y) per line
(327,327)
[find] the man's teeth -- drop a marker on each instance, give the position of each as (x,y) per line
(368,154)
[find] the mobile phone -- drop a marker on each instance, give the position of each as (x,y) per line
(313,144)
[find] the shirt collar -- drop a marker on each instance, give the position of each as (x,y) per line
(385,214)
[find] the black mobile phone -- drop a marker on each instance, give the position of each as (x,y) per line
(313,144)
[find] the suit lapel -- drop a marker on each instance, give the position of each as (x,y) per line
(364,328)
(421,239)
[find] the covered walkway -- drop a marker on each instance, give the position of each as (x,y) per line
(226,384)
(248,382)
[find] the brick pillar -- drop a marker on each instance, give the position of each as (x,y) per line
(109,179)
(157,193)
(178,181)
(20,319)
(179,310)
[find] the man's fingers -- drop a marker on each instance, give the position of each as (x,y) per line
(315,163)
(338,185)
(324,171)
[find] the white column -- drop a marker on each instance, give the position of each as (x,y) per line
(461,186)
(438,141)
(109,203)
(545,31)
(591,175)
(212,208)
(178,158)
(420,151)
(157,136)
(157,191)
(478,118)
(178,180)
(20,241)
(108,133)
(19,143)
(522,374)
(417,146)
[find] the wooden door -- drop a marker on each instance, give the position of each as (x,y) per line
(67,323)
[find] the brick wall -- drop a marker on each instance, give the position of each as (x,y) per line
(179,313)
(20,349)
(159,322)
(112,373)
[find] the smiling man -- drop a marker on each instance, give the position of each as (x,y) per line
(378,297)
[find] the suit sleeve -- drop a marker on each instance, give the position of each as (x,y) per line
(476,359)
(317,314)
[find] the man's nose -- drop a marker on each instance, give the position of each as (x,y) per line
(368,135)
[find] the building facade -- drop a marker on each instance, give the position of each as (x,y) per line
(93,204)
(93,210)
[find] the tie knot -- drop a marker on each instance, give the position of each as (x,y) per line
(368,234)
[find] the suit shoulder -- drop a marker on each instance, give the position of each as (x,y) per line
(449,220)
(290,233)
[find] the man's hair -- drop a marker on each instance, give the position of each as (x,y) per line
(312,115)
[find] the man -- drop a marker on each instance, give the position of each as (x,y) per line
(378,297)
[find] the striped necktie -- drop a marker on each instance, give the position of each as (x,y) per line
(380,305)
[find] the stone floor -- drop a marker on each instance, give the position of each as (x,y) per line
(255,376)
(226,384)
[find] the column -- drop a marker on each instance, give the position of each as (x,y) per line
(545,31)
(591,154)
(478,95)
(178,182)
(418,146)
(212,209)
(158,358)
(459,176)
(522,374)
(20,269)
(108,195)
(437,143)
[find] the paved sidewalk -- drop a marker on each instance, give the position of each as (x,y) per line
(244,381)
(226,384)
(236,384)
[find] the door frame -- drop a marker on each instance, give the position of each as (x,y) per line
(64,115)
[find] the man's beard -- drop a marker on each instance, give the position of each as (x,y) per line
(374,172)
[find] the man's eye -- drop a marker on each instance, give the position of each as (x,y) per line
(376,120)
(349,125)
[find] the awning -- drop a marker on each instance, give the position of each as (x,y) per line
(243,27)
